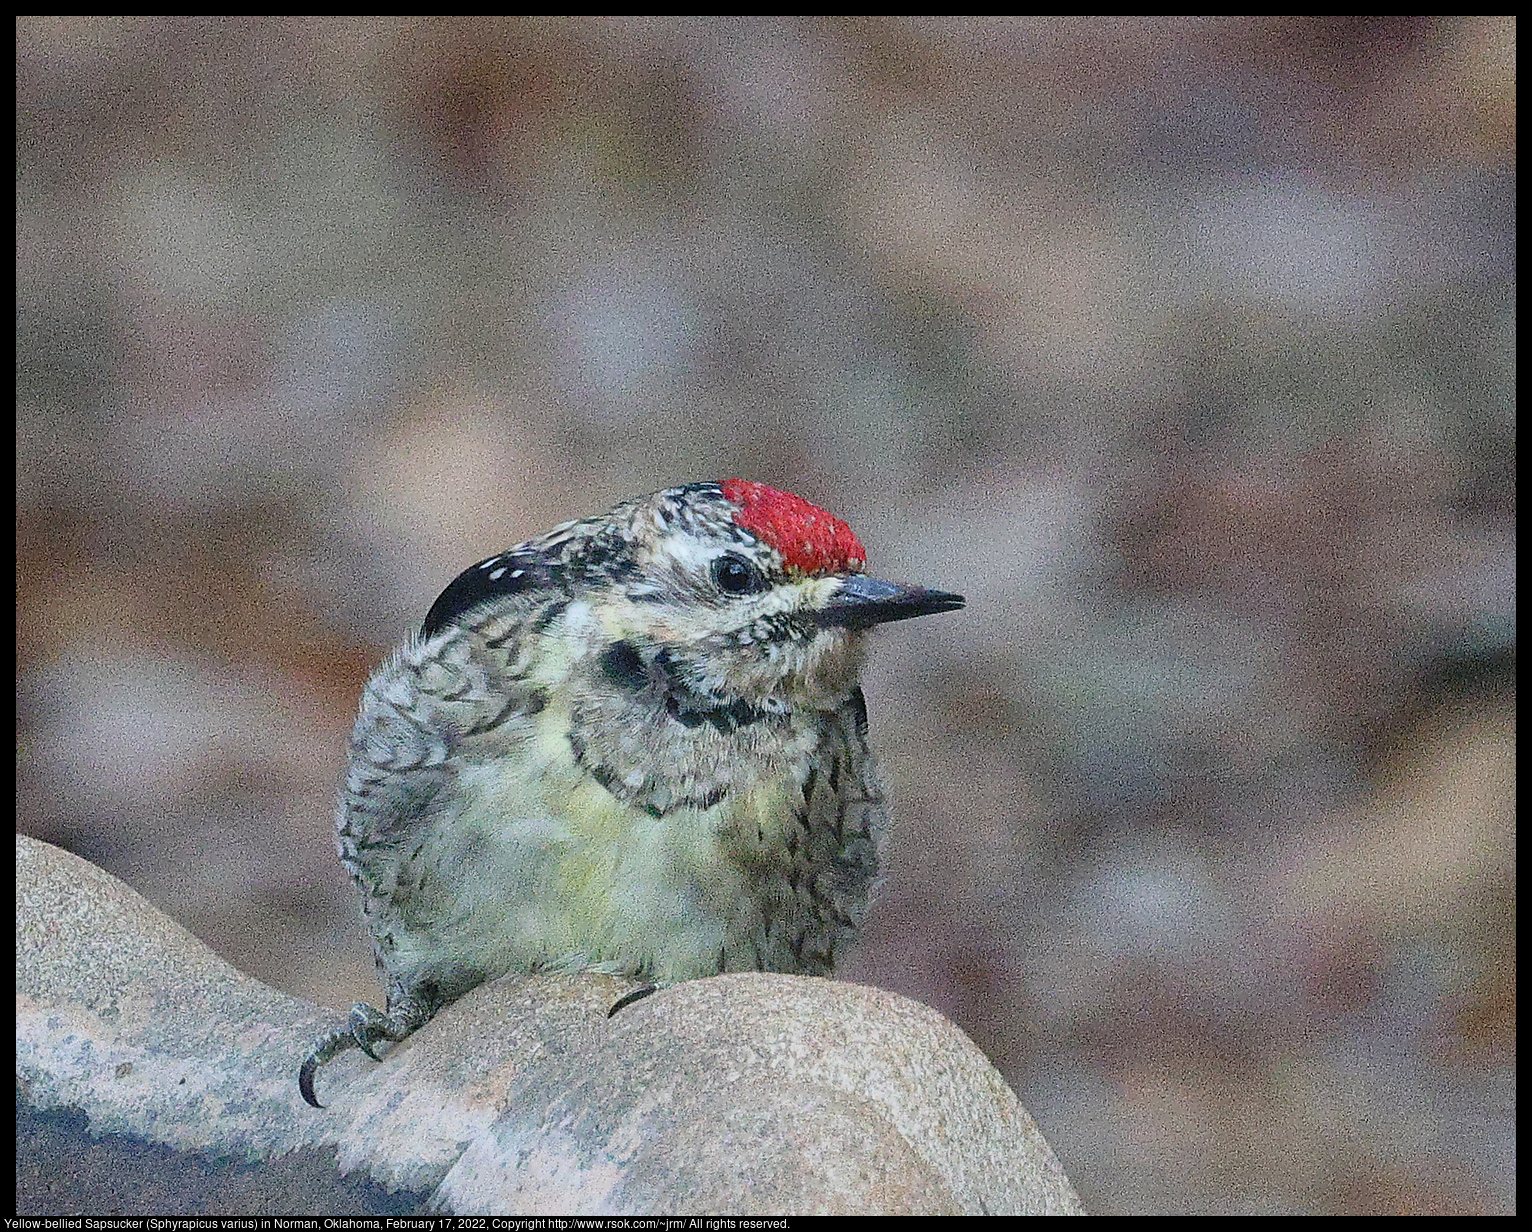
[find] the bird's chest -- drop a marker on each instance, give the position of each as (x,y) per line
(659,870)
(604,804)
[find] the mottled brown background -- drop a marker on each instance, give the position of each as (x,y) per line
(1182,346)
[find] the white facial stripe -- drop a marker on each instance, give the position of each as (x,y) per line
(693,557)
(691,554)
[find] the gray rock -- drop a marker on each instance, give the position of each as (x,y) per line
(155,1079)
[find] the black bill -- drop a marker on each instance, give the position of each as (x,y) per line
(863,602)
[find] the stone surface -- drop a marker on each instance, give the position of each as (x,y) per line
(153,1078)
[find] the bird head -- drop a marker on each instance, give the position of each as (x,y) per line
(730,592)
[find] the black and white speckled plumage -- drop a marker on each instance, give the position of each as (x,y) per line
(635,744)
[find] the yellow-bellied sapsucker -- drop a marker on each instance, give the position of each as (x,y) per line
(634,745)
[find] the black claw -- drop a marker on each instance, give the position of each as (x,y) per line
(306,1081)
(366,1030)
(627,999)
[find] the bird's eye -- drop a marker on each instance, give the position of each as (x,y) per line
(735,575)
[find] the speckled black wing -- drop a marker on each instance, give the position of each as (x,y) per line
(510,573)
(422,713)
(845,821)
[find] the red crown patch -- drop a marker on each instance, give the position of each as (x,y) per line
(809,539)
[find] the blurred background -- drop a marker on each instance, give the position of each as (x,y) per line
(1181,345)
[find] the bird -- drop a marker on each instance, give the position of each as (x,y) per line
(636,744)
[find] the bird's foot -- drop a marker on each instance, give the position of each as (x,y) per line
(366,1028)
